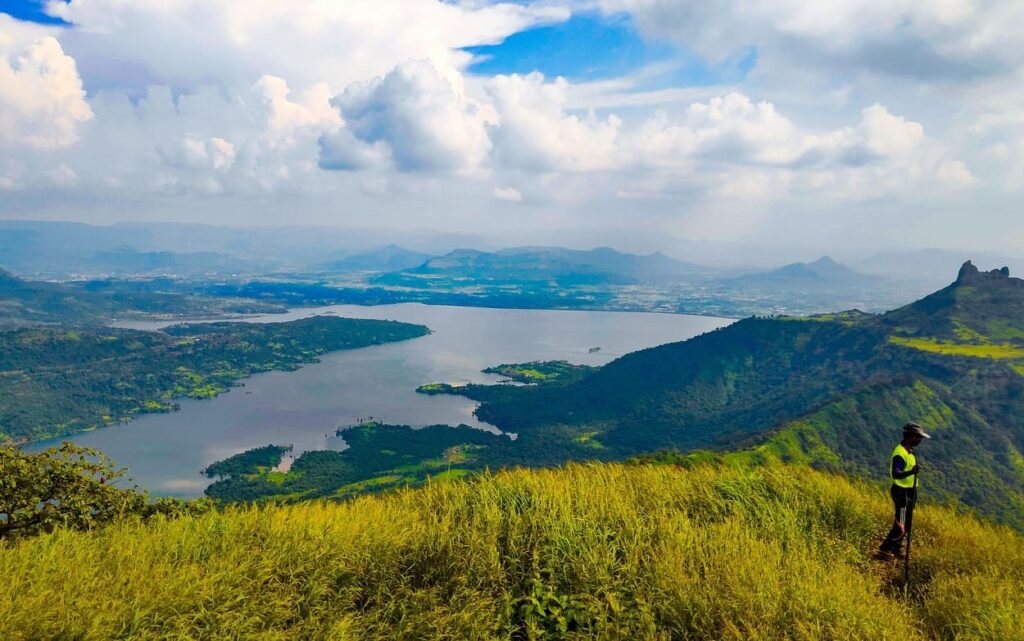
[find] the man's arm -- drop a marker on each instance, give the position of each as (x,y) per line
(898,471)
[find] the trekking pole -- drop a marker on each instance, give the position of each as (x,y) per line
(910,531)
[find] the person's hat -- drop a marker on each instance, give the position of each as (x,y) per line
(914,428)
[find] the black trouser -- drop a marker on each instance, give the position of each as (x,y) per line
(903,498)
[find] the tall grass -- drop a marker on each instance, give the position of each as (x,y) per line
(582,552)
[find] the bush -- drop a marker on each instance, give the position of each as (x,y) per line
(72,487)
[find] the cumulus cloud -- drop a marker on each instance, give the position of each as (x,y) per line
(421,115)
(757,150)
(730,129)
(284,118)
(533,131)
(42,102)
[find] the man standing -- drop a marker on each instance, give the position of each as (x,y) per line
(903,470)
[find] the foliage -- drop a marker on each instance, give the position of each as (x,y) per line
(583,552)
(58,381)
(71,487)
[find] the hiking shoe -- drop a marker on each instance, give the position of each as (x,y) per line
(886,555)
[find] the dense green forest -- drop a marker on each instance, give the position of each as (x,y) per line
(62,381)
(829,391)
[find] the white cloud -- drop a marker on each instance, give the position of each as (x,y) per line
(233,43)
(948,40)
(63,176)
(757,152)
(730,129)
(42,102)
(508,194)
(535,133)
(284,118)
(213,154)
(421,115)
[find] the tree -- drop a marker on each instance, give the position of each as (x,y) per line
(70,486)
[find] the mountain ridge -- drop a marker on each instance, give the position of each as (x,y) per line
(556,265)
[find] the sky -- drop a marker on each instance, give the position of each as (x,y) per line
(643,124)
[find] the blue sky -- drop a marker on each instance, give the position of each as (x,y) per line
(589,46)
(29,10)
(592,46)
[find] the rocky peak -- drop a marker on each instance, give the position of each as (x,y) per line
(966,270)
(969,272)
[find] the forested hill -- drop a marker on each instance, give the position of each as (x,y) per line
(830,390)
(57,381)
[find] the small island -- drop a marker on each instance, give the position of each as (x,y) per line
(532,373)
(539,371)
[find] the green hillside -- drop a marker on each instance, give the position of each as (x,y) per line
(979,308)
(583,552)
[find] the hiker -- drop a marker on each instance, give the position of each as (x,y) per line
(903,470)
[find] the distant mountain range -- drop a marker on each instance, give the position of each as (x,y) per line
(823,273)
(389,258)
(554,265)
(128,261)
(58,249)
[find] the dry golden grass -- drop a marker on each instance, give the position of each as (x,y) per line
(582,552)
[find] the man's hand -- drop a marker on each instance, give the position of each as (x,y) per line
(916,469)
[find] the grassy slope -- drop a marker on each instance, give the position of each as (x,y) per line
(584,552)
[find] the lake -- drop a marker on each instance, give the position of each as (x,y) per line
(165,452)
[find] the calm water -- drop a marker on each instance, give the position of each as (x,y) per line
(164,452)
